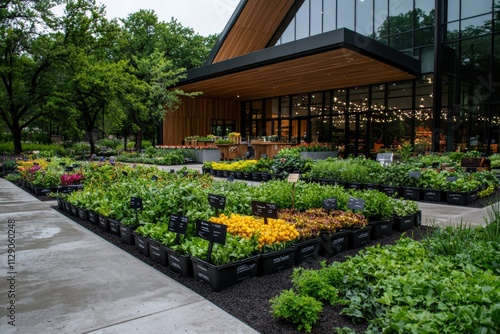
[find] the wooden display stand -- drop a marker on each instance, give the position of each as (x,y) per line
(267,148)
(232,151)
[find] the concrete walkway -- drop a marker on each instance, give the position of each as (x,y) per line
(65,279)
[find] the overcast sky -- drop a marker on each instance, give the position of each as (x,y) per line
(204,16)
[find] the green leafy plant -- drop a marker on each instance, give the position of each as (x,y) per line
(299,309)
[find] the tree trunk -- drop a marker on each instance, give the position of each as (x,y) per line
(91,142)
(16,134)
(138,142)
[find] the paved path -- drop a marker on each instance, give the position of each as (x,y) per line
(68,280)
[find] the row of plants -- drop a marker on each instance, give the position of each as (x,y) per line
(165,194)
(448,283)
(358,172)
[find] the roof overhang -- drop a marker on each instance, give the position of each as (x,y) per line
(337,59)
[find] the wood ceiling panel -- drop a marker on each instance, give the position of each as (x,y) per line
(254,27)
(334,69)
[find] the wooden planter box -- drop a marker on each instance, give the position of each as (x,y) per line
(226,275)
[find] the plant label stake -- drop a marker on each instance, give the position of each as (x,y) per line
(264,210)
(178,224)
(136,204)
(211,232)
(330,203)
(415,175)
(293,178)
(217,202)
(356,204)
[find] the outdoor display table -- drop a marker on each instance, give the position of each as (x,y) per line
(270,149)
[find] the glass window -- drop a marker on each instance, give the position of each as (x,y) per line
(345,18)
(496,16)
(424,13)
(316,104)
(300,105)
(424,37)
(475,57)
(398,7)
(339,104)
(427,60)
(364,17)
(452,31)
(274,108)
(327,109)
(329,17)
(476,26)
(285,107)
(316,16)
(453,10)
(475,7)
(426,6)
(358,99)
(380,18)
(401,41)
(289,33)
(302,21)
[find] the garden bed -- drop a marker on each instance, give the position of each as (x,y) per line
(252,295)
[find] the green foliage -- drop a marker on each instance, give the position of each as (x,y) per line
(30,147)
(315,283)
(299,309)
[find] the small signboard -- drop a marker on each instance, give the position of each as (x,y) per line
(451,178)
(211,231)
(330,203)
(356,204)
(217,201)
(136,203)
(293,178)
(68,169)
(154,178)
(385,158)
(415,175)
(62,164)
(178,224)
(265,210)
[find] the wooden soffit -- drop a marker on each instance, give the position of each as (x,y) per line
(295,68)
(251,28)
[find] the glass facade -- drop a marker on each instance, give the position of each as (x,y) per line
(465,59)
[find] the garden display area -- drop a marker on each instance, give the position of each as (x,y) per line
(333,245)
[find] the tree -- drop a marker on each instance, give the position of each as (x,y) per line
(28,53)
(155,52)
(91,78)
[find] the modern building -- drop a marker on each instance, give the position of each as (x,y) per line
(362,74)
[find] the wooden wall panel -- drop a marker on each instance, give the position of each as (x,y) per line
(193,117)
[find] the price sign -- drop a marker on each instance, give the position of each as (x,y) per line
(211,231)
(451,178)
(293,178)
(265,210)
(154,178)
(216,201)
(62,164)
(136,203)
(68,169)
(178,224)
(330,203)
(385,158)
(415,175)
(356,204)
